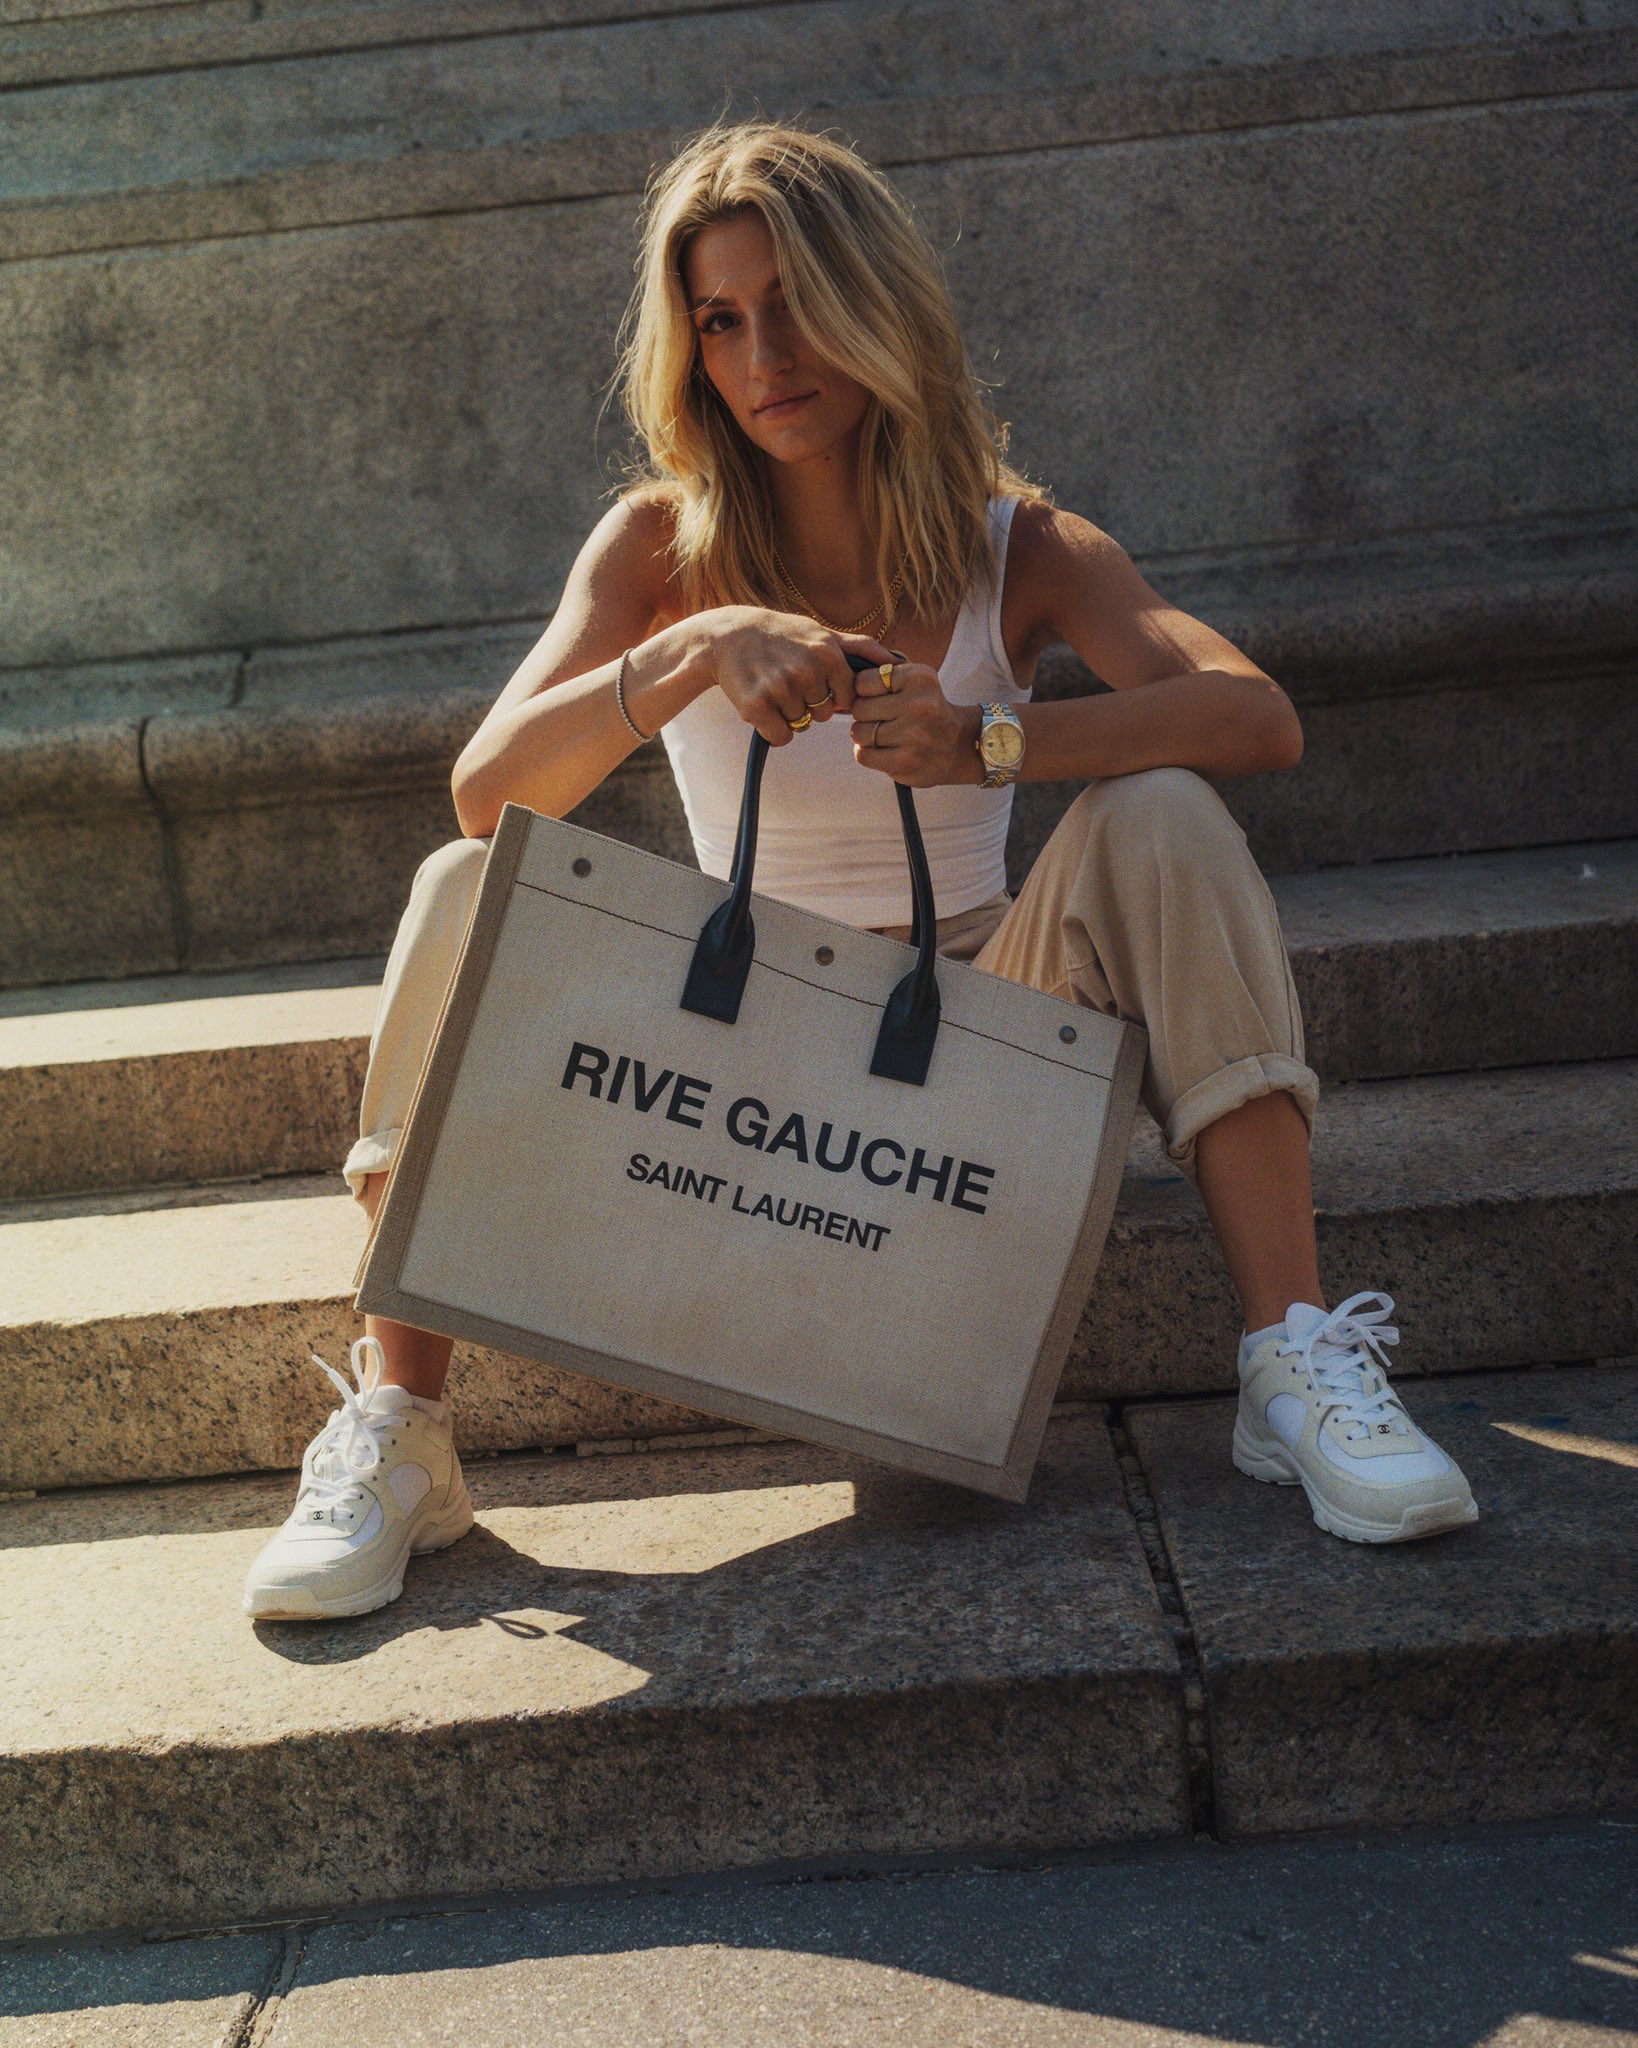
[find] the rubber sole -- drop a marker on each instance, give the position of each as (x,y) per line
(433,1532)
(1274,1465)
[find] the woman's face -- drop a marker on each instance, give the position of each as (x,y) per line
(788,402)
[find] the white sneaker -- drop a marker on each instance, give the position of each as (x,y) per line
(380,1480)
(1316,1411)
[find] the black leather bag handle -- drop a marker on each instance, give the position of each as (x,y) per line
(727,941)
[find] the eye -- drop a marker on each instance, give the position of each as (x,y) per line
(709,324)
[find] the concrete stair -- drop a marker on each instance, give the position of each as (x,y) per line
(176,1078)
(715,1651)
(765,1655)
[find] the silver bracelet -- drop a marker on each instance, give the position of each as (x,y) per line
(620,697)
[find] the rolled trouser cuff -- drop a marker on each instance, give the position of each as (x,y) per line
(1230,1088)
(374,1154)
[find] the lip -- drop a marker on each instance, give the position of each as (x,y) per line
(786,404)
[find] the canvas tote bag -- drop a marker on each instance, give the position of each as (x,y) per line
(697,1142)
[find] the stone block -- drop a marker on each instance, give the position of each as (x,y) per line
(1484,1675)
(293,438)
(57,41)
(180,1078)
(1489,960)
(629,1670)
(198,156)
(378,375)
(84,895)
(304,881)
(1495,1208)
(83,867)
(297,818)
(1326,264)
(1458,607)
(1431,771)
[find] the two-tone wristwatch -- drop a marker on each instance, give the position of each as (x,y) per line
(1000,745)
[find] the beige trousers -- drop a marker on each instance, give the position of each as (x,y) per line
(1145,903)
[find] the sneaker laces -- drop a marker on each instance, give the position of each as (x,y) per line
(1344,1358)
(349,1444)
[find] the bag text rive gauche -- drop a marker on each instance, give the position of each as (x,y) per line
(882,1161)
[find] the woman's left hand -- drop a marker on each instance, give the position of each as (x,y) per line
(912,731)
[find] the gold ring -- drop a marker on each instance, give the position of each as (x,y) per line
(801,724)
(828,698)
(876,742)
(886,673)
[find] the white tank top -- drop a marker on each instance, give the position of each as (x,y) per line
(829,838)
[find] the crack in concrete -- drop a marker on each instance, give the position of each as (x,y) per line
(254,2027)
(1196,1720)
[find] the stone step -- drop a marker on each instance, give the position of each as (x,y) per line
(1487,1676)
(183,1077)
(1404,967)
(161,828)
(158,1336)
(1482,960)
(770,1656)
(691,1661)
(1494,765)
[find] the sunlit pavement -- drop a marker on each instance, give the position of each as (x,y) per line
(1524,1939)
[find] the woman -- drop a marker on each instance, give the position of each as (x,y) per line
(825,478)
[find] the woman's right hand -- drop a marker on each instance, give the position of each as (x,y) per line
(774,666)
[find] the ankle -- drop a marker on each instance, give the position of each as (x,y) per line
(416,1360)
(423,1389)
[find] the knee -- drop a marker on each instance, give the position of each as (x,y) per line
(454,869)
(1169,813)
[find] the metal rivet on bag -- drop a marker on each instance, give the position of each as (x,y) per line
(824,956)
(582,866)
(1067,1033)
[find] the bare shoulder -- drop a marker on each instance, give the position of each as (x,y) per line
(628,552)
(1079,586)
(1048,550)
(1045,541)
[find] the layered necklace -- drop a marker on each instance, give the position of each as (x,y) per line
(885,609)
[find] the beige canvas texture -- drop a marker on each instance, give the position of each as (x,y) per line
(702,1234)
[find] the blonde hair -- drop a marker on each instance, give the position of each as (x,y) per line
(865,289)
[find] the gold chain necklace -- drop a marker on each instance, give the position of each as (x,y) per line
(888,609)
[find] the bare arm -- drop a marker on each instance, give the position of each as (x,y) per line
(1181,695)
(555,732)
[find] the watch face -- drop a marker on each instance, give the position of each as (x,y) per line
(1003,744)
